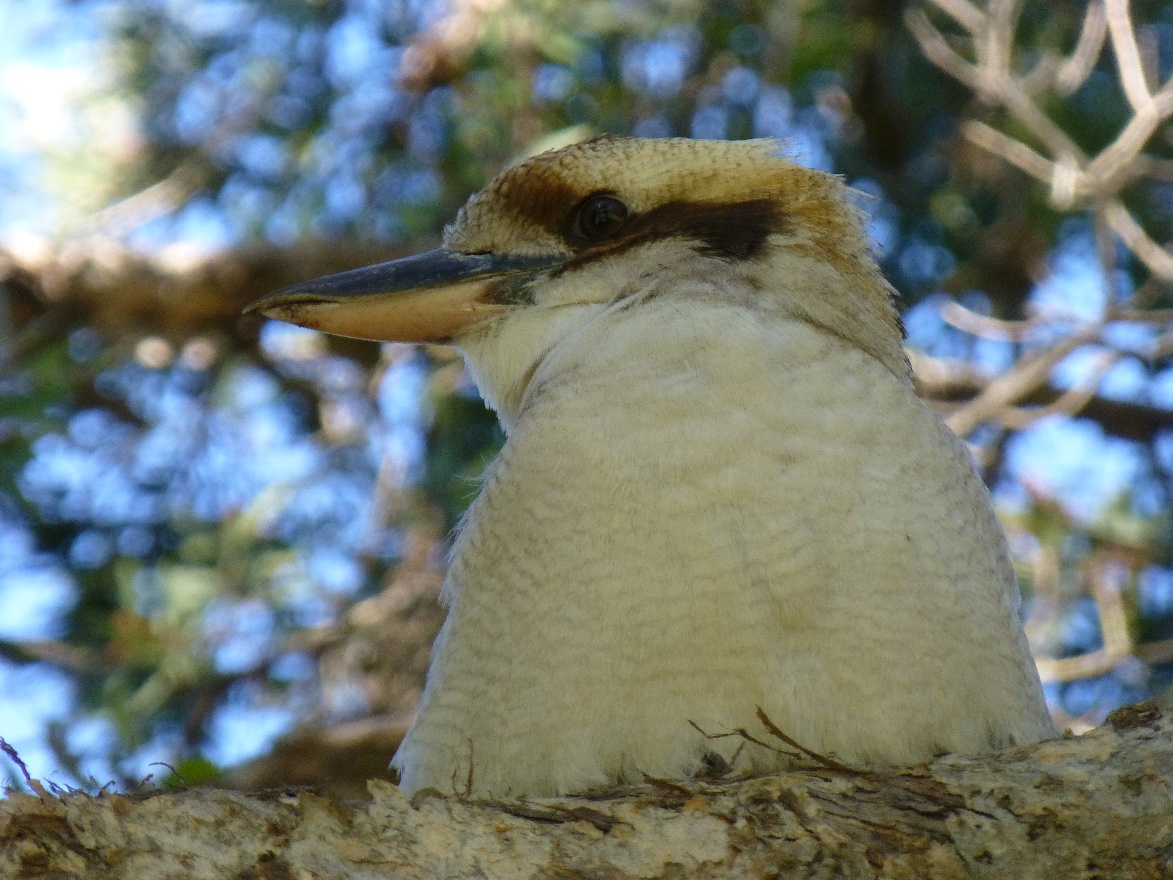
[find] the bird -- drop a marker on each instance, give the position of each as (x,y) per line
(720,510)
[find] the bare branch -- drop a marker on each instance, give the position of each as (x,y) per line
(1132,76)
(1013,151)
(1149,316)
(157,200)
(1107,168)
(1070,173)
(1109,598)
(1088,665)
(1025,377)
(994,85)
(1158,260)
(1023,109)
(945,383)
(937,49)
(957,315)
(1073,72)
(1163,347)
(1070,403)
(1154,653)
(964,13)
(1101,662)
(995,50)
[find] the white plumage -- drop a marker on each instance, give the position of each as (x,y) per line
(719,491)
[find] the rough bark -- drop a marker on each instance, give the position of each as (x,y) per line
(1096,806)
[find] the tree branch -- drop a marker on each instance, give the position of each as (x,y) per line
(944,383)
(1075,70)
(1132,76)
(1099,801)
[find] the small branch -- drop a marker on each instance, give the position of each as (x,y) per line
(776,732)
(992,82)
(1072,175)
(1073,72)
(1109,166)
(1158,260)
(14,757)
(1132,76)
(1069,403)
(995,51)
(937,49)
(1106,256)
(1154,168)
(1101,662)
(943,384)
(1023,109)
(1154,653)
(964,13)
(1025,377)
(1109,599)
(157,200)
(957,315)
(744,734)
(1148,316)
(1011,149)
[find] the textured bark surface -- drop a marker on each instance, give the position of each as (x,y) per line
(1097,806)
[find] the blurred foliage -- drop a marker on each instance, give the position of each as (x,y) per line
(200,513)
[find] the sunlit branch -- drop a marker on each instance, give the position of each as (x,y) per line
(1158,260)
(1030,373)
(1012,150)
(1070,403)
(1132,76)
(1077,67)
(950,385)
(957,315)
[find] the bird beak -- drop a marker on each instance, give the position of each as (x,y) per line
(429,297)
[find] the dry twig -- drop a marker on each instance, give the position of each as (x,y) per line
(977,48)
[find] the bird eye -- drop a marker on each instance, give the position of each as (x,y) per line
(601,217)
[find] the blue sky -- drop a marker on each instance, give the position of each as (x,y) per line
(47,59)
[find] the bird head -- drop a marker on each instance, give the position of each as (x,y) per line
(559,238)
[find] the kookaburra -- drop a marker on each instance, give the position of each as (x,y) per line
(718,490)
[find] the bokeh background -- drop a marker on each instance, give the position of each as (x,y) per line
(221,538)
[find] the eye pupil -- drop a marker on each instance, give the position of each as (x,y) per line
(600,217)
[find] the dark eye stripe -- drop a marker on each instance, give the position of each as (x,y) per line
(729,230)
(734,231)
